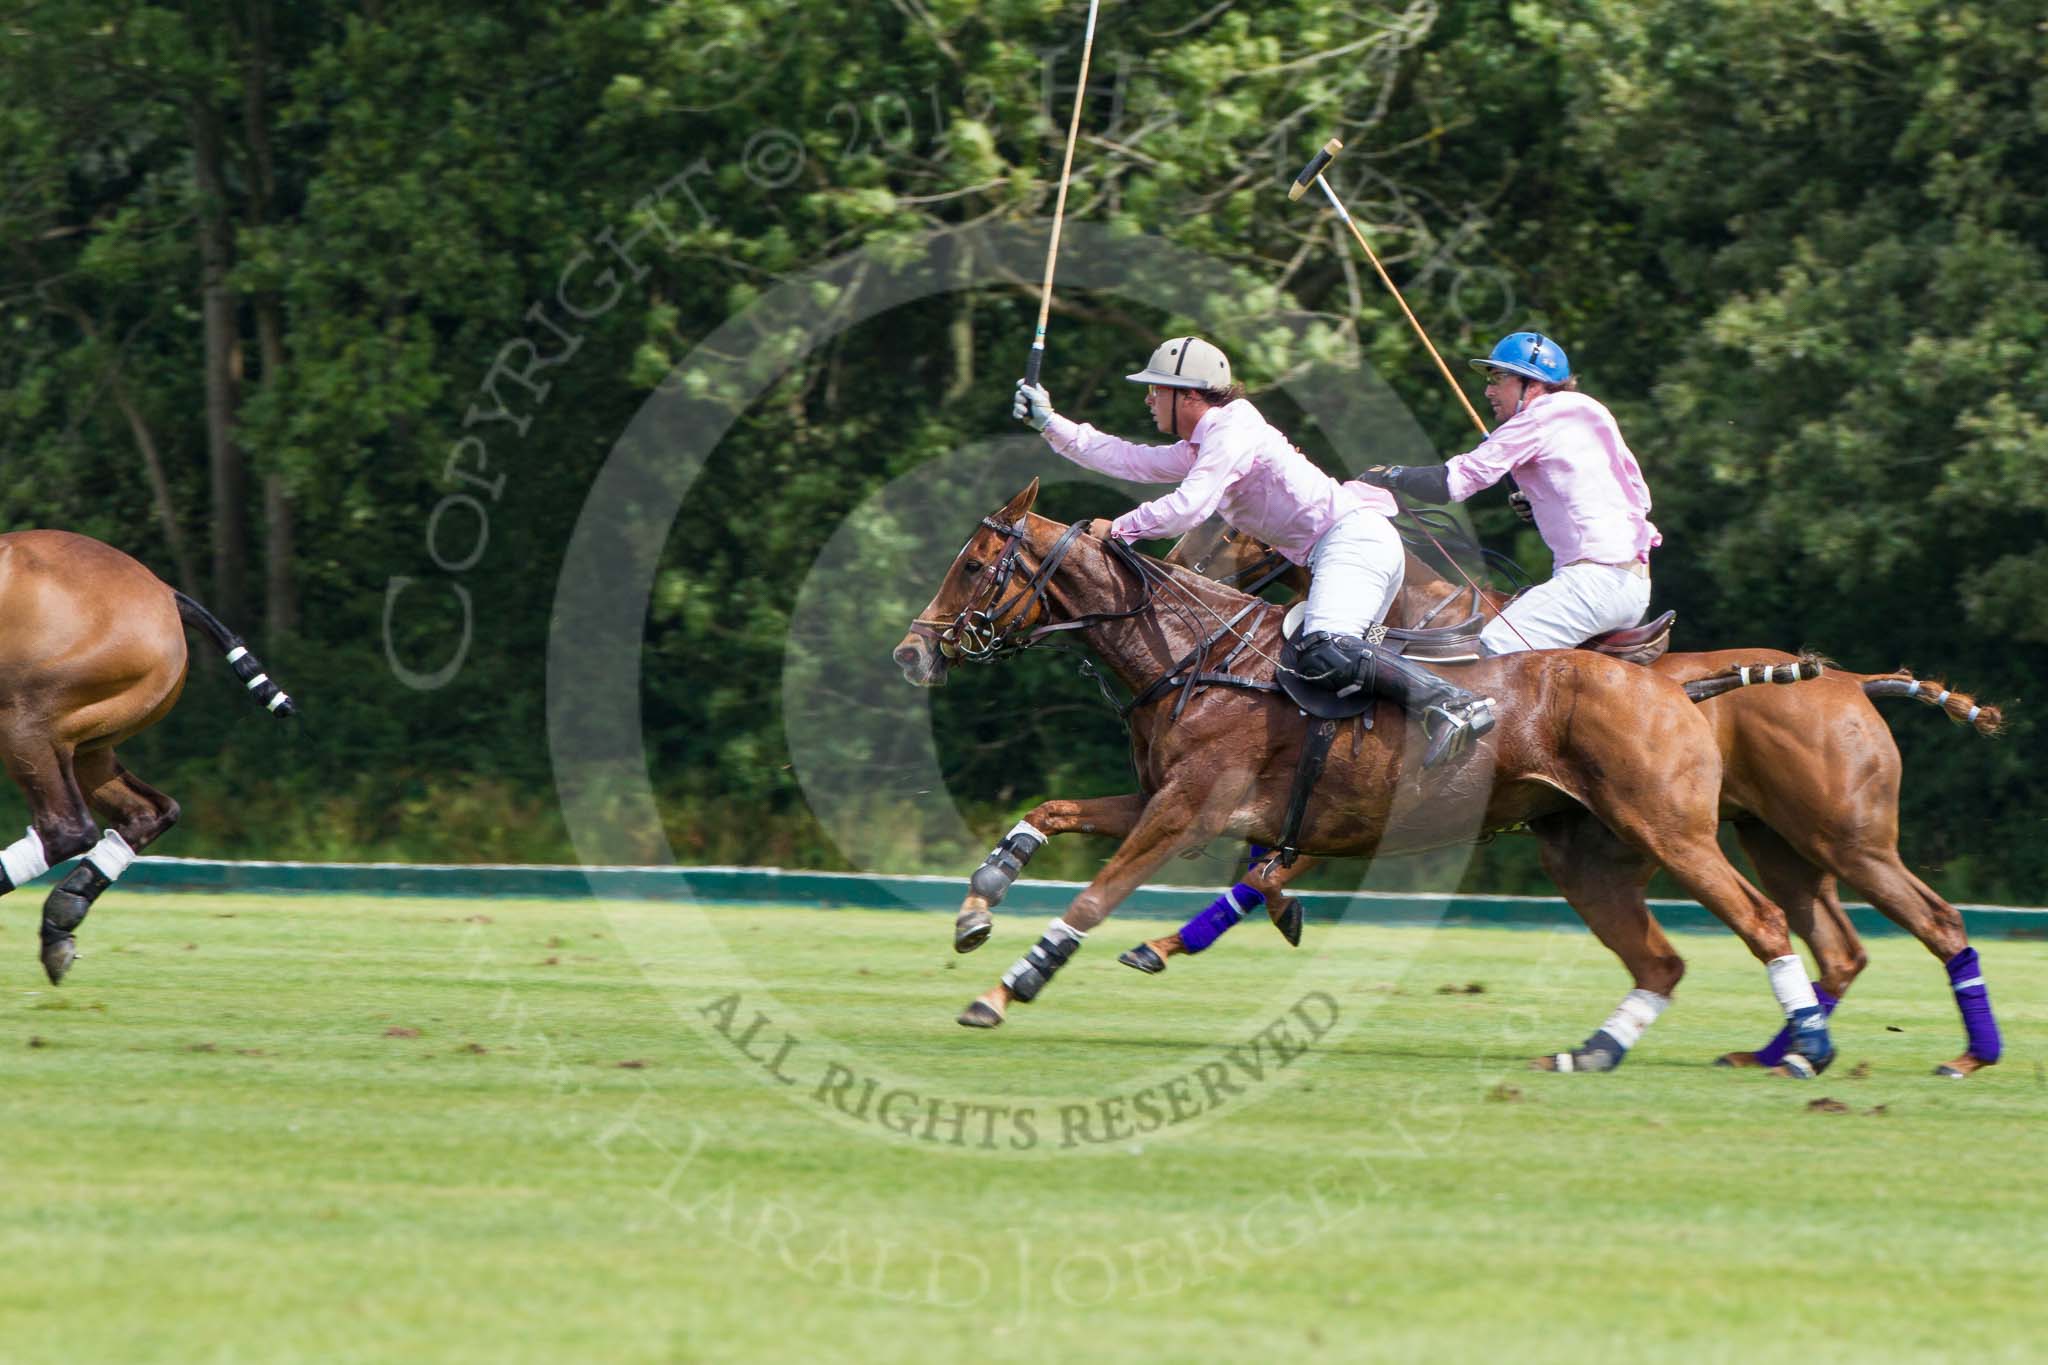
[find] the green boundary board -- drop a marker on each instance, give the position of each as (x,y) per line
(843,890)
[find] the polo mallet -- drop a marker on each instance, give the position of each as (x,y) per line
(1059,209)
(1312,174)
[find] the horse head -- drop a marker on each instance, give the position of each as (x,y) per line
(971,615)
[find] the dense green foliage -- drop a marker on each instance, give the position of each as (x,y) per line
(279,281)
(340,1130)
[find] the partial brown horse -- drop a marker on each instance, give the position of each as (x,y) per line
(1810,778)
(92,651)
(1578,732)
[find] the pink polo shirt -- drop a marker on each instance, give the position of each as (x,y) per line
(1234,462)
(1583,483)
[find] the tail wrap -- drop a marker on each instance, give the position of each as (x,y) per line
(1805,668)
(246,666)
(1960,707)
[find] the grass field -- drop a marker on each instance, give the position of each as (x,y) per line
(372,1130)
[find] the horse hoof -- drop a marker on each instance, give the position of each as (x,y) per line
(980,1014)
(1286,916)
(972,929)
(1797,1067)
(1577,1061)
(1961,1068)
(1543,1063)
(1737,1059)
(1144,959)
(58,955)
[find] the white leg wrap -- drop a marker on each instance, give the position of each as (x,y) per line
(111,855)
(1790,985)
(24,859)
(1059,928)
(1636,1012)
(1029,831)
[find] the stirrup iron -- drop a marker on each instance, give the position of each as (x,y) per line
(1454,730)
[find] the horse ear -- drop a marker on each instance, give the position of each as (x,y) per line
(1015,508)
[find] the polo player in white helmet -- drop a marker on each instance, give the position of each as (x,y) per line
(1229,459)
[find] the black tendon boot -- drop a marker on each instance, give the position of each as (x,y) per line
(1451,716)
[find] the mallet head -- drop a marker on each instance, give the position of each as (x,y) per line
(1314,168)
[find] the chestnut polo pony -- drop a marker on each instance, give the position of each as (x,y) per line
(1810,779)
(1578,732)
(92,651)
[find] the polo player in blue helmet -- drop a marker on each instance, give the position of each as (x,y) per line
(1578,481)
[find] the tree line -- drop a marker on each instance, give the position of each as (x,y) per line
(331,314)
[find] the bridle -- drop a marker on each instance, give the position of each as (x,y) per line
(997,619)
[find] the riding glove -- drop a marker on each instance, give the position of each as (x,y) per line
(1429,482)
(1032,405)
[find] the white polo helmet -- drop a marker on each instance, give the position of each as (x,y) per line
(1185,363)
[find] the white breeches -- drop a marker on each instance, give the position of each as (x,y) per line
(1578,602)
(1357,568)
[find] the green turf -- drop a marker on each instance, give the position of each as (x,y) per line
(342,1130)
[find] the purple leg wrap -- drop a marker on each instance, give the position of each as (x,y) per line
(1974,1000)
(1773,1052)
(1226,910)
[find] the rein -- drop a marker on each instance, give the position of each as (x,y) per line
(978,634)
(985,633)
(1428,521)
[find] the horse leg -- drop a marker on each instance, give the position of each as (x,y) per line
(1262,884)
(61,827)
(1677,826)
(1604,878)
(1175,819)
(1111,815)
(1814,912)
(135,814)
(1876,871)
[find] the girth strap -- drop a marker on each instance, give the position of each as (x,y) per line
(1315,753)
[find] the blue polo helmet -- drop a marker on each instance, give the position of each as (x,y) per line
(1531,355)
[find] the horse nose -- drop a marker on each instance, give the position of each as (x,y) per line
(907,655)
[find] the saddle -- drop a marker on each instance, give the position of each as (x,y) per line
(1452,644)
(1643,644)
(1457,643)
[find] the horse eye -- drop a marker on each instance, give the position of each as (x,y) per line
(971,565)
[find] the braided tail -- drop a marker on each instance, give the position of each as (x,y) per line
(1957,706)
(269,694)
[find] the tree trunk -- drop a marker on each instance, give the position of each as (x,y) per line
(159,485)
(280,588)
(145,444)
(229,530)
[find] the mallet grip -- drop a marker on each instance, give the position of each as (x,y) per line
(1031,365)
(1314,168)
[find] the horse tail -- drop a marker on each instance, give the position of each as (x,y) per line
(269,694)
(1806,667)
(1960,707)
